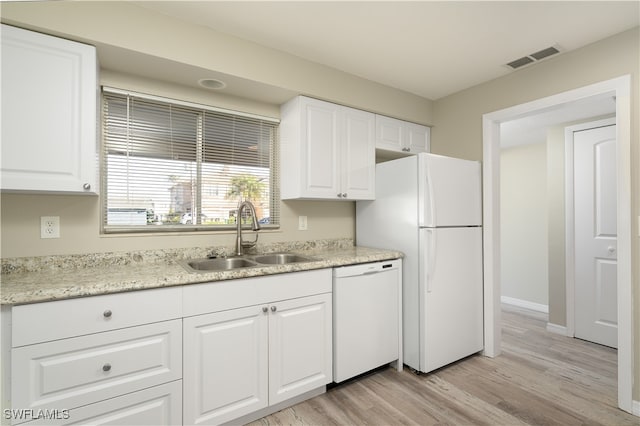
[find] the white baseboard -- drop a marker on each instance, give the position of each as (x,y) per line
(557,329)
(635,408)
(538,307)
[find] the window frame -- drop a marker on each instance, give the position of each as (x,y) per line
(274,169)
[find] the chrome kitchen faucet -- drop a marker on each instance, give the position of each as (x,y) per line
(256,227)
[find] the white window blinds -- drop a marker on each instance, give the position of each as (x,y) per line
(175,166)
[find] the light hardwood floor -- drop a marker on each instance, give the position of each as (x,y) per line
(541,378)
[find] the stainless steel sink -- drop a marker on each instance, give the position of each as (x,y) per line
(233,263)
(280,258)
(218,264)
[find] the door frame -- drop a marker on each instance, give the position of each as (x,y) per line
(619,87)
(569,212)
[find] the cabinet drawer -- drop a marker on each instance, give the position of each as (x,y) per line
(69,373)
(42,322)
(159,405)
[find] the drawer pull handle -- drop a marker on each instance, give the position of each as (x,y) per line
(107,313)
(106,367)
(265,309)
(273,309)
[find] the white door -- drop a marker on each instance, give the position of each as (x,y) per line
(322,156)
(595,202)
(358,155)
(48,113)
(225,365)
(300,346)
(418,138)
(389,133)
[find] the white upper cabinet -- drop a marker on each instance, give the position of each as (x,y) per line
(401,136)
(49,114)
(327,151)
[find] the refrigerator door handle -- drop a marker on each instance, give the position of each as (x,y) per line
(431,259)
(431,200)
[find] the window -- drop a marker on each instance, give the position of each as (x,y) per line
(169,165)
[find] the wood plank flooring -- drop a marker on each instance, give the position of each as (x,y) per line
(541,378)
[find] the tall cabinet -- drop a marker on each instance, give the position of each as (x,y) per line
(49,114)
(327,151)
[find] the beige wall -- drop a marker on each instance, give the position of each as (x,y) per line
(523,222)
(122,25)
(457,127)
(556,226)
(80,227)
(143,34)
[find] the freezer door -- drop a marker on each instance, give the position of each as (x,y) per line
(449,191)
(451,314)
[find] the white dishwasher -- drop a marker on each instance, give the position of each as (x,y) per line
(367,317)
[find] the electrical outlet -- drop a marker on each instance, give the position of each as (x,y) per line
(50,227)
(302,223)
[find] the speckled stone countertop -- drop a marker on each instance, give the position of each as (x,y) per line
(61,277)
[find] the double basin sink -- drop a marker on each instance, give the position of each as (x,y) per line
(240,262)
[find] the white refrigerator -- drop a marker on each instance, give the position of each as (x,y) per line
(430,208)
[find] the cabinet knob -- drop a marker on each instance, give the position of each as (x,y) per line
(611,249)
(107,313)
(339,195)
(106,367)
(87,186)
(273,309)
(344,195)
(265,309)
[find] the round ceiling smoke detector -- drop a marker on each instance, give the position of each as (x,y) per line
(212,83)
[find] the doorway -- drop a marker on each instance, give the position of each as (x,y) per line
(621,89)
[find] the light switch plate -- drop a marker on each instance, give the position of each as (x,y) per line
(50,227)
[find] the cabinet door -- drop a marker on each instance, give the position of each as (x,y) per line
(321,155)
(388,133)
(225,365)
(401,136)
(417,138)
(300,346)
(49,110)
(358,155)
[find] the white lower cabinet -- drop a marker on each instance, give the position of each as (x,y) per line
(200,354)
(242,360)
(111,359)
(69,373)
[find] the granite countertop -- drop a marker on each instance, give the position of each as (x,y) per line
(23,285)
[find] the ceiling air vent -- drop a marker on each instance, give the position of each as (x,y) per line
(534,57)
(520,62)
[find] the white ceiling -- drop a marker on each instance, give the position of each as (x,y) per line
(428,48)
